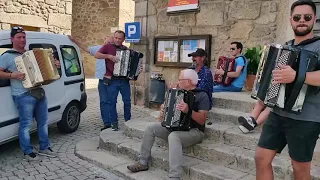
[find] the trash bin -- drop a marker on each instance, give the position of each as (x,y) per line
(157,89)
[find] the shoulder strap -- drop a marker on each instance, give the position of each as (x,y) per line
(244,61)
(11,51)
(305,42)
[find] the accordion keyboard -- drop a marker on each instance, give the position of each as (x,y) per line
(273,92)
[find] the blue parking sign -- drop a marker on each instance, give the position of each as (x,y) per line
(132,31)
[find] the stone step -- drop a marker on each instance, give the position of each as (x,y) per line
(224,143)
(193,168)
(217,132)
(89,150)
(225,116)
(238,101)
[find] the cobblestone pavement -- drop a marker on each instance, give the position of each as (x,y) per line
(66,165)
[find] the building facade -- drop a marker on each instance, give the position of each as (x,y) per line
(253,23)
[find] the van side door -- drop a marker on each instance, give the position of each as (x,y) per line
(55,92)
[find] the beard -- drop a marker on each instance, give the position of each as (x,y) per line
(302,33)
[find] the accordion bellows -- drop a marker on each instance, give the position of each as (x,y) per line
(38,67)
(289,97)
(128,64)
(174,119)
(225,64)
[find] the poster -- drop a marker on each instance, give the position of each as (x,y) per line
(182,5)
(167,51)
(189,46)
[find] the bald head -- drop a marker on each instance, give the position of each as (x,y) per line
(191,75)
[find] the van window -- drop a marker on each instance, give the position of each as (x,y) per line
(70,60)
(47,46)
(3,48)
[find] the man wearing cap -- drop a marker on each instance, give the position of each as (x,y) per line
(100,71)
(29,103)
(240,71)
(204,73)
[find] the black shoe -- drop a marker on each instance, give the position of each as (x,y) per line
(105,127)
(31,157)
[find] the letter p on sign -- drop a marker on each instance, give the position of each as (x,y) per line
(131,30)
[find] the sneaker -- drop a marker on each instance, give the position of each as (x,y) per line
(48,152)
(105,127)
(137,167)
(247,124)
(31,157)
(114,127)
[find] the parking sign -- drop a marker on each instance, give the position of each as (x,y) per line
(132,31)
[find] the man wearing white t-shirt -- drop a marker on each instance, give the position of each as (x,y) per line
(99,74)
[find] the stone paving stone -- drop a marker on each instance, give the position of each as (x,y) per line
(66,166)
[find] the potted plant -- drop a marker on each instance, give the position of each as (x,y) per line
(252,55)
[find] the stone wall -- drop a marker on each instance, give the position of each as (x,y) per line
(48,15)
(250,22)
(92,21)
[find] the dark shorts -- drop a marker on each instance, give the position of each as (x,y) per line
(301,136)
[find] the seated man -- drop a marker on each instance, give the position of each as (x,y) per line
(188,80)
(240,71)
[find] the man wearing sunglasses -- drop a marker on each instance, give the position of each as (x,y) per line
(29,104)
(240,71)
(299,131)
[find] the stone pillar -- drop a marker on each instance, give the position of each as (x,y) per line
(284,30)
(91,22)
(140,88)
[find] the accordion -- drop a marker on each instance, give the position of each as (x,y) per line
(289,97)
(128,64)
(38,67)
(227,65)
(173,119)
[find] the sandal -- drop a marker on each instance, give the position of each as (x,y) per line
(137,167)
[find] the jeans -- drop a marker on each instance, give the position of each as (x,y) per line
(176,139)
(104,106)
(28,107)
(230,88)
(123,86)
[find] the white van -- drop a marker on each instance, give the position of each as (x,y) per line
(67,97)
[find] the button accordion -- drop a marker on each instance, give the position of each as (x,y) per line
(173,119)
(128,64)
(227,65)
(289,97)
(38,67)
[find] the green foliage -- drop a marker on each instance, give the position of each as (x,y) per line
(253,55)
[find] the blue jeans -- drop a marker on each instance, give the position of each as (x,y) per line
(230,88)
(104,106)
(123,86)
(28,108)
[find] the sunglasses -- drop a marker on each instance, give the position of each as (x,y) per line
(17,28)
(306,17)
(232,49)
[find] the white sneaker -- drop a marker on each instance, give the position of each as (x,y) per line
(247,124)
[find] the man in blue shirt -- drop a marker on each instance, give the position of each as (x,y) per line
(204,73)
(100,70)
(240,71)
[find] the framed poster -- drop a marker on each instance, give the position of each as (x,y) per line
(174,50)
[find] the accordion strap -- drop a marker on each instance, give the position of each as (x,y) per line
(299,81)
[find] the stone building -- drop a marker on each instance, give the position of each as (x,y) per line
(90,20)
(253,22)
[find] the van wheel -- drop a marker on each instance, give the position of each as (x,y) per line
(70,119)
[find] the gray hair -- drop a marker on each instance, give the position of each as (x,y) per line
(190,74)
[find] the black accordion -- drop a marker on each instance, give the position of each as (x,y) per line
(288,97)
(173,119)
(128,64)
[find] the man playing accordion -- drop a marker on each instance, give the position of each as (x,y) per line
(300,131)
(188,80)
